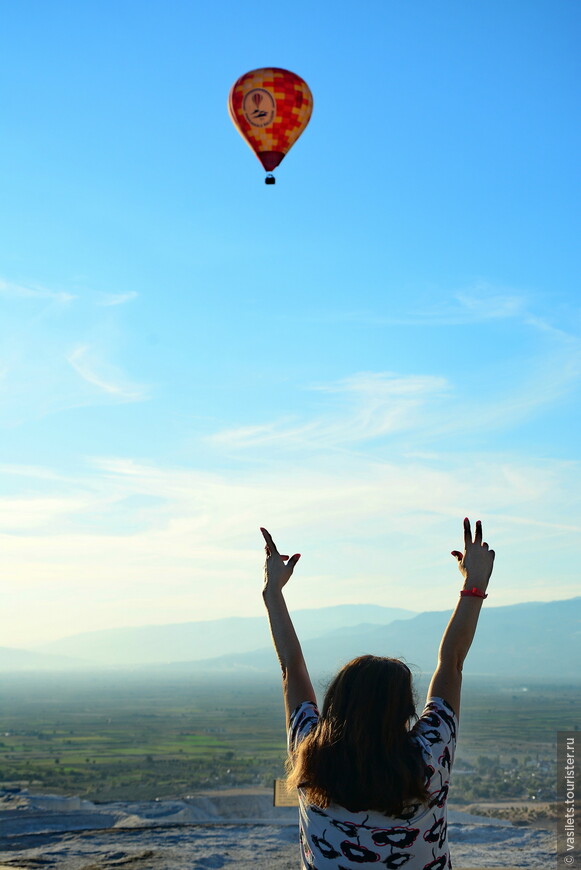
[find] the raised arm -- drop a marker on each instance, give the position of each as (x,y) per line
(296,683)
(476,567)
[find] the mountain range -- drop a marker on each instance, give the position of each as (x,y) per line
(187,641)
(532,640)
(529,641)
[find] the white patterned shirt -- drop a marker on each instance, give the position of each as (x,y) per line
(337,839)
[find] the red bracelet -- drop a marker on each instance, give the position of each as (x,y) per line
(473,593)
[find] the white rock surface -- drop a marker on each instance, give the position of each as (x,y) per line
(224,829)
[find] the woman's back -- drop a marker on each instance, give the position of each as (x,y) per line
(359,753)
(334,837)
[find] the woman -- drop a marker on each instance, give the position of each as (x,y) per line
(373,785)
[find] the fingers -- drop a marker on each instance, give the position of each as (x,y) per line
(292,561)
(467,533)
(270,545)
(266,535)
(477,534)
(457,554)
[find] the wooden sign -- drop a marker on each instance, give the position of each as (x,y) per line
(282,796)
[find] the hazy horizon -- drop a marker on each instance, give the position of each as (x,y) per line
(524,640)
(39,643)
(386,341)
(262,615)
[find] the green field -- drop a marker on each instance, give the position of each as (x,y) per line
(130,736)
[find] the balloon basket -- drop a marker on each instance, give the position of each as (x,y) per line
(270,179)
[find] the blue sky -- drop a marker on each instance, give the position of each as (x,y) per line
(385,341)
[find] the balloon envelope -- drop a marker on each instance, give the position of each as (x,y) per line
(270,107)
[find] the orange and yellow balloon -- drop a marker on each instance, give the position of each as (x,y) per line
(270,108)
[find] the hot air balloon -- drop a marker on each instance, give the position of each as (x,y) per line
(270,108)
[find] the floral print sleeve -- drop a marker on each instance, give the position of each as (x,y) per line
(301,721)
(436,731)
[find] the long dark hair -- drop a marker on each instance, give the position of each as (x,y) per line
(360,754)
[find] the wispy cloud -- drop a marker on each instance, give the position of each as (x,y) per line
(345,508)
(36,472)
(385,407)
(363,480)
(36,512)
(103,376)
(486,304)
(479,303)
(110,299)
(180,543)
(14,290)
(21,291)
(370,405)
(59,353)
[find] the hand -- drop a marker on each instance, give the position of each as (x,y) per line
(476,563)
(276,572)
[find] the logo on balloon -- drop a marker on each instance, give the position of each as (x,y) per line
(259,107)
